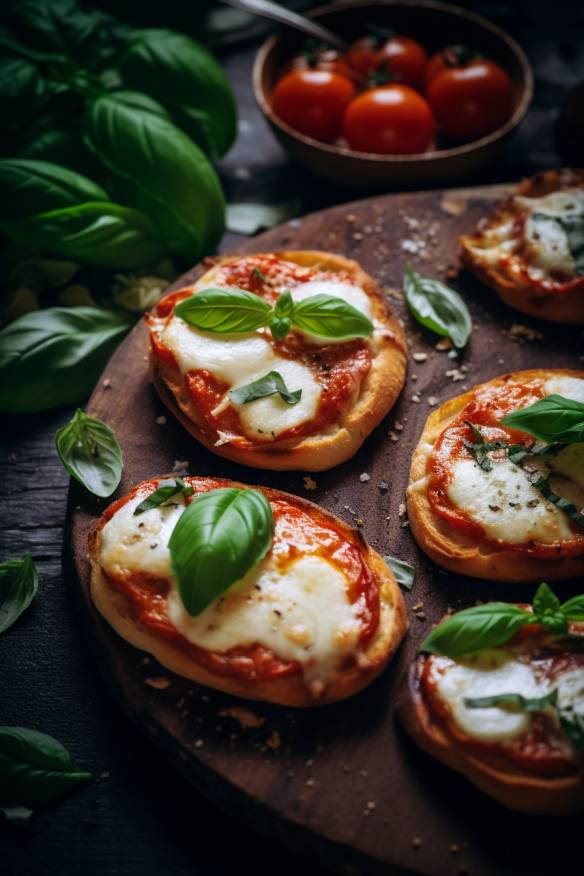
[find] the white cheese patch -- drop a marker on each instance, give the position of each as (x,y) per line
(302,614)
(570,687)
(270,416)
(569,387)
(505,503)
(484,674)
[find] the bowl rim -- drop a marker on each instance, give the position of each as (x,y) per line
(434,155)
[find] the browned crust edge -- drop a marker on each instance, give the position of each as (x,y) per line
(510,786)
(555,306)
(288,691)
(444,543)
(379,391)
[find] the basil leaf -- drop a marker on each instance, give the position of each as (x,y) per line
(284,306)
(28,187)
(575,514)
(545,601)
(329,317)
(476,628)
(19,582)
(188,81)
(481,449)
(221,536)
(573,609)
(270,384)
(95,233)
(573,227)
(249,218)
(403,573)
(224,310)
(164,174)
(22,91)
(523,704)
(437,307)
(55,356)
(91,454)
(34,767)
(552,419)
(572,723)
(165,491)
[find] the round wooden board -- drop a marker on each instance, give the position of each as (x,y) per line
(342,782)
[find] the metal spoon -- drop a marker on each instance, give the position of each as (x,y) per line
(272,10)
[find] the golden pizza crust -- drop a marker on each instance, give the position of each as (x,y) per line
(290,690)
(446,544)
(499,778)
(554,304)
(379,389)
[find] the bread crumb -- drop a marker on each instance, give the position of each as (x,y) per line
(245,716)
(107,383)
(401,509)
(453,848)
(416,842)
(274,741)
(432,400)
(419,357)
(161,421)
(524,332)
(393,436)
(383,487)
(364,477)
(454,205)
(159,683)
(443,345)
(416,399)
(309,483)
(180,465)
(199,743)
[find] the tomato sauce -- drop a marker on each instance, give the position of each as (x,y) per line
(485,410)
(339,368)
(148,594)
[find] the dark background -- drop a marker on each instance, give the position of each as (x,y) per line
(137,817)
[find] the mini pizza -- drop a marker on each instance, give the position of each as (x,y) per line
(247,590)
(487,498)
(280,361)
(509,716)
(530,251)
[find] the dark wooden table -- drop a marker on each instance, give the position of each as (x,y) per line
(136,817)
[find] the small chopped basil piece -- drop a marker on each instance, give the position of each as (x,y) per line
(480,449)
(404,573)
(270,384)
(166,490)
(569,509)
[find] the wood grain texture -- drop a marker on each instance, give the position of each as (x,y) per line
(342,781)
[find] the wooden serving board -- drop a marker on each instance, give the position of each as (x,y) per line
(342,782)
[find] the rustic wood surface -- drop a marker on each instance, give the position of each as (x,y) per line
(342,778)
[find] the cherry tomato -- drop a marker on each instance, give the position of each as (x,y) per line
(313,102)
(472,100)
(402,58)
(449,56)
(390,119)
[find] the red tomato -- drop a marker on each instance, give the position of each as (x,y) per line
(401,57)
(390,119)
(321,59)
(449,56)
(471,101)
(313,102)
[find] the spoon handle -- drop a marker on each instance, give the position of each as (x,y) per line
(272,10)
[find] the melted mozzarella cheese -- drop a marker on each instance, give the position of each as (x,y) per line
(570,687)
(484,674)
(505,503)
(569,387)
(238,360)
(302,613)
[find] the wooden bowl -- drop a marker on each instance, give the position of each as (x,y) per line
(435,24)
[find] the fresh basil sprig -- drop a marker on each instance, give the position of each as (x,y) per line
(573,226)
(403,573)
(19,582)
(437,307)
(480,448)
(220,536)
(494,623)
(513,700)
(270,384)
(91,454)
(166,490)
(234,310)
(553,419)
(34,767)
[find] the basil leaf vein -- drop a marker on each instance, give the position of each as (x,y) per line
(220,536)
(437,307)
(403,573)
(90,453)
(166,490)
(270,384)
(327,316)
(19,582)
(34,767)
(514,700)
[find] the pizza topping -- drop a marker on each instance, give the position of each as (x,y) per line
(308,606)
(494,482)
(307,325)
